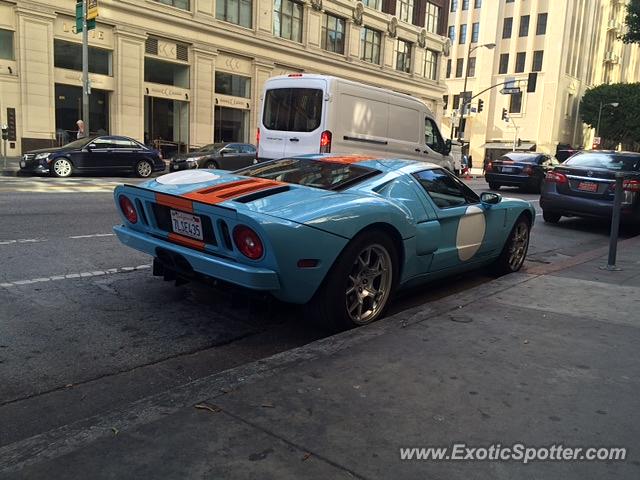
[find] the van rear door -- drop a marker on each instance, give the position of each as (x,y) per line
(292,117)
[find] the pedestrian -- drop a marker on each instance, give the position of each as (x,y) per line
(470,161)
(80,125)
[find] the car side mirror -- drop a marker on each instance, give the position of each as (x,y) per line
(447,147)
(490,198)
(87,148)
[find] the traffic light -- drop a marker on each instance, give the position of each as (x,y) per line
(480,105)
(504,114)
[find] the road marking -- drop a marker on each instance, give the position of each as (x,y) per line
(55,278)
(94,235)
(22,240)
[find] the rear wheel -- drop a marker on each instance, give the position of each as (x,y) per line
(550,217)
(61,167)
(515,249)
(144,169)
(494,186)
(211,164)
(358,287)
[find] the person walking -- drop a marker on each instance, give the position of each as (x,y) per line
(81,133)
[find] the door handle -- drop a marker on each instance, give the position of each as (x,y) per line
(294,139)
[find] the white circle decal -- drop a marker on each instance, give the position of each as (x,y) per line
(471,229)
(187,176)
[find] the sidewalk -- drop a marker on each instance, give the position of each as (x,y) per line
(549,356)
(12,166)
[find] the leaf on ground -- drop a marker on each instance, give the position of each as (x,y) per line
(211,408)
(306,456)
(115,430)
(268,405)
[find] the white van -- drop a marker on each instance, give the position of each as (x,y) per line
(306,113)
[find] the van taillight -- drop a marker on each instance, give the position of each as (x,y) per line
(294,75)
(325,142)
(257,138)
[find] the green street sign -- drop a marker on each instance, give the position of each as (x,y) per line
(91,24)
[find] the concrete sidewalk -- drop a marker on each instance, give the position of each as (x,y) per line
(9,168)
(543,357)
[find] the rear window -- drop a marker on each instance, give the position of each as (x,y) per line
(292,109)
(605,161)
(514,157)
(311,173)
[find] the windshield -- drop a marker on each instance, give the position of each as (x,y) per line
(311,173)
(605,161)
(292,109)
(81,142)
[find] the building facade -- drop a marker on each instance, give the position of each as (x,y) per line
(573,45)
(181,73)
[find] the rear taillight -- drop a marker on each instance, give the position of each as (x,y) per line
(325,142)
(128,209)
(528,170)
(631,185)
(489,167)
(248,242)
(554,177)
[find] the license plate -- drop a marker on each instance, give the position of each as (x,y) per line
(507,169)
(185,224)
(175,167)
(588,186)
(23,164)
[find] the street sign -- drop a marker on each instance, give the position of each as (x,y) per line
(510,91)
(91,24)
(596,140)
(92,9)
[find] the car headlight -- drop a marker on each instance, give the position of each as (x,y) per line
(194,159)
(42,156)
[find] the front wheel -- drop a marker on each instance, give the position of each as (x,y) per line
(61,167)
(358,287)
(515,249)
(494,186)
(144,169)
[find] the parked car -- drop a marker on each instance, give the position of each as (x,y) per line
(584,186)
(103,154)
(307,113)
(341,233)
(226,156)
(517,169)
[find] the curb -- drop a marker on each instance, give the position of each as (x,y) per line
(9,173)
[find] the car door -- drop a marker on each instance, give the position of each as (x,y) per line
(469,230)
(125,154)
(247,155)
(230,157)
(97,155)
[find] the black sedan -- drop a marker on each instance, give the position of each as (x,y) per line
(105,154)
(226,156)
(517,169)
(584,185)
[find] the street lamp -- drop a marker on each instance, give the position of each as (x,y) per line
(613,104)
(490,46)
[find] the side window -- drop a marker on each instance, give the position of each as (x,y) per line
(432,136)
(231,148)
(247,149)
(102,142)
(444,189)
(122,143)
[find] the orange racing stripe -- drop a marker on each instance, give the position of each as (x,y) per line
(174,202)
(228,191)
(347,160)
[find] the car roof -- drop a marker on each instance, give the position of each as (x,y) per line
(379,163)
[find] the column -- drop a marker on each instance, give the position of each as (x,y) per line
(202,90)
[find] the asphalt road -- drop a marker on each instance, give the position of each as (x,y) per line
(84,327)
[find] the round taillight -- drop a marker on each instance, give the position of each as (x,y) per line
(248,242)
(128,209)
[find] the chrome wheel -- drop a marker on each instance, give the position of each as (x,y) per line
(519,246)
(144,169)
(62,167)
(369,284)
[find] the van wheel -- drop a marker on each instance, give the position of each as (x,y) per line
(358,287)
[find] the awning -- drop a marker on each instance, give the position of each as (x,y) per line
(524,146)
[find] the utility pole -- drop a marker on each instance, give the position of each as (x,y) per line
(85,70)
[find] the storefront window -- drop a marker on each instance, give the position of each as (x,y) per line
(69,111)
(234,11)
(235,85)
(6,44)
(166,125)
(166,73)
(69,55)
(231,125)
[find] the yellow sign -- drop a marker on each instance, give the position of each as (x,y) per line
(92,9)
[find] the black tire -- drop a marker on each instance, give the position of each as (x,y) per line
(494,186)
(144,169)
(551,217)
(61,167)
(212,164)
(511,261)
(328,307)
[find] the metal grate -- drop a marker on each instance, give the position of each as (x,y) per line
(182,52)
(151,46)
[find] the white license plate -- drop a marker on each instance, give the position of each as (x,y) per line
(23,164)
(507,170)
(187,225)
(175,167)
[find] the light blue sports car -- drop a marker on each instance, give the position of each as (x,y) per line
(341,233)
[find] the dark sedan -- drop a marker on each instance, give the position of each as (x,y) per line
(584,185)
(516,169)
(226,156)
(105,154)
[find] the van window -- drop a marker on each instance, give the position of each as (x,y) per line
(432,136)
(292,109)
